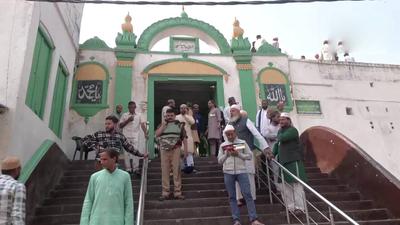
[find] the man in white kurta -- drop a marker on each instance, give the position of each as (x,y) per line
(109,199)
(262,120)
(270,133)
(131,123)
(326,51)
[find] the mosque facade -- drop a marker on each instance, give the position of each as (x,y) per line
(56,89)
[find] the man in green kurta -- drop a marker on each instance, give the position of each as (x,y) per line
(108,199)
(289,155)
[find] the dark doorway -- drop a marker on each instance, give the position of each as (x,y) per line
(195,92)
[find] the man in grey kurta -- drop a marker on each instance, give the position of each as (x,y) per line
(109,199)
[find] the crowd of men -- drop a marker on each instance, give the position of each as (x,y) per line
(229,133)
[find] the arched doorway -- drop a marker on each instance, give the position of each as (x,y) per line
(185,80)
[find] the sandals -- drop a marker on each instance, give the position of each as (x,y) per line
(237,223)
(256,222)
(180,197)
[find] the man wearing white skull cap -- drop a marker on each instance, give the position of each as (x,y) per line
(246,131)
(233,154)
(289,154)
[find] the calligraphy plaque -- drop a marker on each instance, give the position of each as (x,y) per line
(184,45)
(308,107)
(275,93)
(89,91)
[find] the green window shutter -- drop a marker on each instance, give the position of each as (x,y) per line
(33,75)
(39,77)
(58,105)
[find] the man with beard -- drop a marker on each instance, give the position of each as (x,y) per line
(262,120)
(246,131)
(12,193)
(233,155)
(110,138)
(227,114)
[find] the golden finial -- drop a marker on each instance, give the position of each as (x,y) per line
(184,14)
(127,26)
(237,30)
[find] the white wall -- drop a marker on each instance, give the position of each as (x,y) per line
(27,131)
(341,85)
(15,21)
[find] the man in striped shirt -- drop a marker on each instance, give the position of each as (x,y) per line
(12,193)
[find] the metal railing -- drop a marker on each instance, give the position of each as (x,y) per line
(309,220)
(143,186)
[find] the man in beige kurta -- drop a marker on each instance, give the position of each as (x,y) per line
(188,121)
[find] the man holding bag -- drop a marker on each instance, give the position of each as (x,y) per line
(172,137)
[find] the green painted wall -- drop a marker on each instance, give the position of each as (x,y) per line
(123,86)
(247,92)
(58,105)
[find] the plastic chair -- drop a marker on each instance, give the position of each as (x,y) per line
(79,147)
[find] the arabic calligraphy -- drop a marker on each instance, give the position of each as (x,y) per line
(89,91)
(275,93)
(184,46)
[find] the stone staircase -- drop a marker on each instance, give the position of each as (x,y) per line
(206,199)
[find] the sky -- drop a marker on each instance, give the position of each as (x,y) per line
(369,29)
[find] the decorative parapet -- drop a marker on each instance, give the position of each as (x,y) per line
(151,32)
(94,43)
(267,49)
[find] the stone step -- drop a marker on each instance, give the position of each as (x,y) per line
(274,218)
(193,187)
(201,173)
(368,222)
(209,203)
(277,218)
(191,179)
(224,209)
(77,198)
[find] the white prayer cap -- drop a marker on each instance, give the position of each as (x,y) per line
(235,106)
(285,114)
(183,106)
(229,128)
